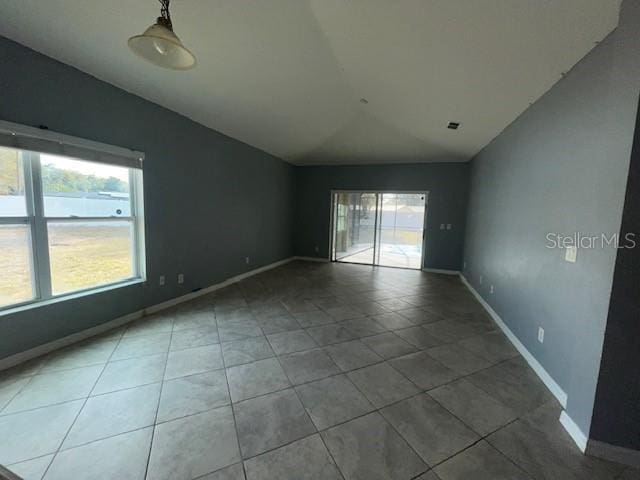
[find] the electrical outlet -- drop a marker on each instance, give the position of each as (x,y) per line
(491,289)
(180,278)
(442,226)
(571,255)
(247,260)
(161,281)
(541,334)
(464,265)
(480,279)
(317,248)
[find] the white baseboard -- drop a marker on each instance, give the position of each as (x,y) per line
(605,451)
(574,431)
(312,259)
(439,270)
(40,350)
(551,384)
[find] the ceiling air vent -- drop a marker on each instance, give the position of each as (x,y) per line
(453,125)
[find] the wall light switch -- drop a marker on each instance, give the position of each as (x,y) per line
(247,260)
(180,278)
(571,255)
(442,226)
(491,289)
(448,226)
(541,334)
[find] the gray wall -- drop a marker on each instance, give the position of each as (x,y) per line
(447,184)
(560,167)
(616,416)
(210,200)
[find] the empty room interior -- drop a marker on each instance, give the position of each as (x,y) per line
(319,239)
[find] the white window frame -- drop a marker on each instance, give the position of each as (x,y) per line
(14,136)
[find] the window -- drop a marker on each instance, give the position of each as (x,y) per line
(68,223)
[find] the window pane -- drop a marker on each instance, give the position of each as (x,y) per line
(84,189)
(15,264)
(89,254)
(12,198)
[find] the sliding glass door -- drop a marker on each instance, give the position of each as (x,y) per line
(379,228)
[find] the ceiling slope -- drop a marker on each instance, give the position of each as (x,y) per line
(288,76)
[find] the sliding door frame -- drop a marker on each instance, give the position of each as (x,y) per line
(378,194)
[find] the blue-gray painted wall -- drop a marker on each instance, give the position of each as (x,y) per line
(447,184)
(561,167)
(210,201)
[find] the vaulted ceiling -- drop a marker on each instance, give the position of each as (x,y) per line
(288,76)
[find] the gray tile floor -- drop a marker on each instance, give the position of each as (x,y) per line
(308,371)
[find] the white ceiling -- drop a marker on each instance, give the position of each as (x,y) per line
(287,76)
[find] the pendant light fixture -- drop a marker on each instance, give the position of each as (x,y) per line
(160,46)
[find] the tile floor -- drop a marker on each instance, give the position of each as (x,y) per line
(309,371)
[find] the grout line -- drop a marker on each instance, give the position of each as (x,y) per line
(155,419)
(81,408)
(233,412)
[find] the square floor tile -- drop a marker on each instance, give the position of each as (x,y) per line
(393,321)
(388,345)
(313,319)
(193,446)
(419,316)
(238,330)
(369,448)
(306,366)
(382,385)
(493,346)
(130,373)
(418,337)
(351,355)
(181,363)
(55,387)
(423,370)
(233,472)
(122,457)
(332,400)
(194,318)
(481,462)
(451,331)
(141,345)
(306,459)
(194,337)
(328,334)
(271,421)
(479,410)
(9,387)
(92,352)
(539,444)
(363,327)
(246,351)
(343,312)
(458,359)
(279,324)
(35,432)
(369,308)
(113,413)
(395,304)
(257,378)
(514,384)
(268,310)
(32,469)
(422,422)
(193,394)
(289,342)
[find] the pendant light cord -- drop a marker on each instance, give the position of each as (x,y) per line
(165,17)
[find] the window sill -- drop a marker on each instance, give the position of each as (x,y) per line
(32,305)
